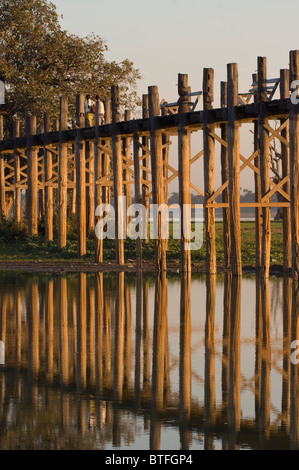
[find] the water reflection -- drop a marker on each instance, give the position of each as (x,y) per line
(142,362)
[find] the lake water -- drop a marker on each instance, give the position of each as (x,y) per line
(132,362)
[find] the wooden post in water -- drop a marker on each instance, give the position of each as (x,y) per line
(184,155)
(224,178)
(32,176)
(157,173)
(17,167)
(62,174)
(209,170)
(80,178)
(294,166)
(233,142)
(285,154)
(48,165)
(2,178)
(117,177)
(264,167)
(257,189)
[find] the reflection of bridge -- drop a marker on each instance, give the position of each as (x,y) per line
(132,157)
(74,343)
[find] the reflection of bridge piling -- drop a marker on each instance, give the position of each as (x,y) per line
(103,354)
(185,360)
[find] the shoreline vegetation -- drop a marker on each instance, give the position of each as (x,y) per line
(20,252)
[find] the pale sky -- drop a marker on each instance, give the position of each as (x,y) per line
(167,37)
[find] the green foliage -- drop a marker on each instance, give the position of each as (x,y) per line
(17,245)
(10,230)
(41,61)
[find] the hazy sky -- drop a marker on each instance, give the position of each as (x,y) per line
(167,37)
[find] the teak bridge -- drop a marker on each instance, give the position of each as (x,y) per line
(90,164)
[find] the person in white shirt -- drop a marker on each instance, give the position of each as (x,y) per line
(101,110)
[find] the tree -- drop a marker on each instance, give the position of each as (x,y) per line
(41,61)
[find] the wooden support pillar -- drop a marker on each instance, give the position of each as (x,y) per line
(286,211)
(32,171)
(80,178)
(145,163)
(97,187)
(165,149)
(127,158)
(106,159)
(41,176)
(117,177)
(48,165)
(209,171)
(233,142)
(294,166)
(138,197)
(62,174)
(257,190)
(264,167)
(157,173)
(17,166)
(184,155)
(224,178)
(2,178)
(90,185)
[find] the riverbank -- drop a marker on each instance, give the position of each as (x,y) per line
(33,254)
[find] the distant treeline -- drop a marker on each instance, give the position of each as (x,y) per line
(247,196)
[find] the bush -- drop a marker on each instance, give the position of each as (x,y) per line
(11,230)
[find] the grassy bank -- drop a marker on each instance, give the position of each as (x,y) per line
(16,245)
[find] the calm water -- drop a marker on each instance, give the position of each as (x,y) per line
(124,362)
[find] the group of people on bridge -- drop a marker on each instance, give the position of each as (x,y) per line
(90,110)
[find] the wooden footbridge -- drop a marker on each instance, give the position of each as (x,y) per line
(87,165)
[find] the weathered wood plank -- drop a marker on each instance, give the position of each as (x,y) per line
(264,143)
(209,171)
(233,141)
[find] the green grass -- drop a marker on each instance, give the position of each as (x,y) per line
(16,245)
